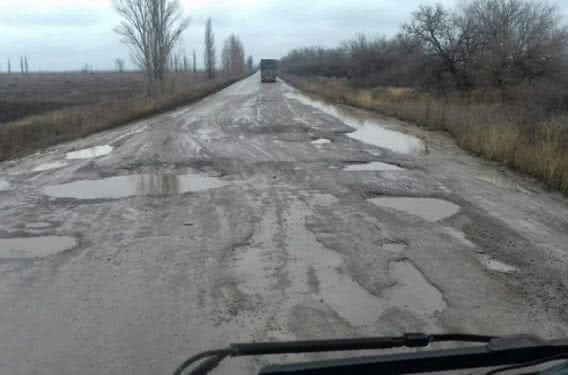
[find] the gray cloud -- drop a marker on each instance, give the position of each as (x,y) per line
(51,18)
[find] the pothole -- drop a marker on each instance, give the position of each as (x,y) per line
(495,265)
(413,292)
(49,166)
(38,225)
(372,166)
(133,185)
(368,128)
(89,153)
(35,247)
(395,247)
(251,271)
(4,185)
(486,260)
(321,141)
(430,209)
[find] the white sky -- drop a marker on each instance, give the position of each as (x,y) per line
(68,34)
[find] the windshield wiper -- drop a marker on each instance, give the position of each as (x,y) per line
(523,351)
(211,359)
(514,351)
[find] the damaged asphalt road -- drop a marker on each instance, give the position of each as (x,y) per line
(261,213)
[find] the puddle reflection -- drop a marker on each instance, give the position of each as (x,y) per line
(89,153)
(133,185)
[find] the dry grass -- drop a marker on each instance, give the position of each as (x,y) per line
(36,93)
(492,131)
(36,132)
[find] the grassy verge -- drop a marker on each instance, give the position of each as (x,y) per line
(30,134)
(509,135)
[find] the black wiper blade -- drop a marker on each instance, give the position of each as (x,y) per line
(498,352)
(210,360)
(409,340)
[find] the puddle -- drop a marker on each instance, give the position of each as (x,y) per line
(49,166)
(4,185)
(495,265)
(38,225)
(34,247)
(252,277)
(321,141)
(133,185)
(373,166)
(89,153)
(395,247)
(368,129)
(413,292)
(489,263)
(430,209)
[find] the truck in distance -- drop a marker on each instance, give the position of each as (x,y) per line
(268,70)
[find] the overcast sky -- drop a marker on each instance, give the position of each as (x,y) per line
(68,34)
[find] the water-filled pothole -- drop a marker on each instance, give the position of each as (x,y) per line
(49,166)
(495,265)
(89,153)
(4,185)
(373,166)
(34,247)
(133,185)
(430,209)
(321,141)
(368,128)
(395,247)
(39,225)
(486,260)
(413,292)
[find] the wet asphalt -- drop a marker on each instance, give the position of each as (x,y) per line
(261,213)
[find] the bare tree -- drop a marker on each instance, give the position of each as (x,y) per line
(119,63)
(151,28)
(22,67)
(194,62)
(250,64)
(209,55)
(26,65)
(441,35)
(233,56)
(9,67)
(521,39)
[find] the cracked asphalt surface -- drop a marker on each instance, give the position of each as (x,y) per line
(225,222)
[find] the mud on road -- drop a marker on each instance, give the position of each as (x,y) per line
(261,213)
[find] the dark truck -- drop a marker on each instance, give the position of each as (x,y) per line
(268,70)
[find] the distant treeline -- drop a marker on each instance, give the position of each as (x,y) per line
(506,50)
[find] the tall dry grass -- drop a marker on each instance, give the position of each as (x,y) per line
(32,133)
(497,132)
